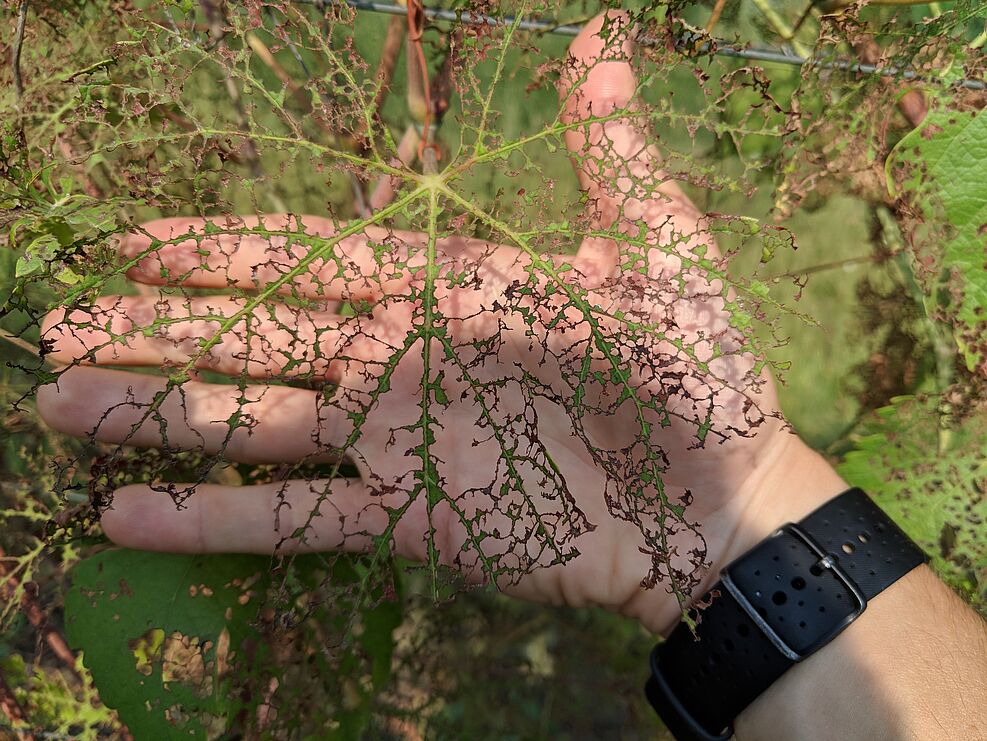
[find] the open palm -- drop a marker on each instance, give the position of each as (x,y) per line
(505,410)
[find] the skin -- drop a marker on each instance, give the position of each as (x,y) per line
(744,485)
(625,185)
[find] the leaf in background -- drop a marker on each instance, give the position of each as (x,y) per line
(944,162)
(163,635)
(938,498)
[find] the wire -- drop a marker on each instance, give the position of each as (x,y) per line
(718,47)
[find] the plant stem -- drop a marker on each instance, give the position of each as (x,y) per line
(780,26)
(15,56)
(19,342)
(825,266)
(714,17)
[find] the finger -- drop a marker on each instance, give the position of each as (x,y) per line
(363,266)
(289,516)
(272,340)
(236,252)
(621,173)
(286,517)
(253,424)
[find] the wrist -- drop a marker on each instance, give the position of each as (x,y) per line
(789,481)
(786,480)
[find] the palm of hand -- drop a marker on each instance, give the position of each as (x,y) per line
(494,469)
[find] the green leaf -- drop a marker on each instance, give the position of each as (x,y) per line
(944,161)
(68,276)
(931,480)
(28,265)
(163,635)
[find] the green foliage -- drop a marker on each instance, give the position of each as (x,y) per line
(53,699)
(163,636)
(943,162)
(181,646)
(930,474)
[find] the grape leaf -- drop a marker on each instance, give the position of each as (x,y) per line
(944,160)
(932,482)
(162,635)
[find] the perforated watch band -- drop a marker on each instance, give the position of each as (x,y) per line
(777,604)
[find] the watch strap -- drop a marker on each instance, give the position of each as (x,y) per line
(774,606)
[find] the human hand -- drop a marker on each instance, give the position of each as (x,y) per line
(683,406)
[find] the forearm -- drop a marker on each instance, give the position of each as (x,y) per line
(914,665)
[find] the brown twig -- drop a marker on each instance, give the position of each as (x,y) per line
(442,85)
(15,56)
(267,57)
(36,616)
(715,16)
(388,60)
(420,87)
(385,72)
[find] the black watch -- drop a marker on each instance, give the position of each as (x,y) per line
(784,599)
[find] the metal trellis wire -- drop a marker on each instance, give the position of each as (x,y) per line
(718,47)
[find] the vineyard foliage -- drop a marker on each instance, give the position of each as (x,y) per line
(369,295)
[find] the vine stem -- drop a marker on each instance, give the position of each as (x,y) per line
(15,56)
(821,267)
(19,342)
(780,26)
(714,17)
